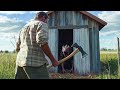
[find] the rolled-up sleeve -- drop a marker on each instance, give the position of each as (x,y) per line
(18,43)
(42,34)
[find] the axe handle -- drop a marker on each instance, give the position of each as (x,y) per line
(66,58)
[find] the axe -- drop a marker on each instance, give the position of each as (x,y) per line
(78,48)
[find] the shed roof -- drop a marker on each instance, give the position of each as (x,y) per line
(100,21)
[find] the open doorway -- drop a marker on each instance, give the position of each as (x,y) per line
(65,36)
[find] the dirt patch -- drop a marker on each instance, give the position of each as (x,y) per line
(69,76)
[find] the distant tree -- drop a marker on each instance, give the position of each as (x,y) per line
(103,49)
(1,51)
(112,50)
(109,49)
(6,51)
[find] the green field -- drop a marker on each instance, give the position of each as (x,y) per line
(7,65)
(108,52)
(109,67)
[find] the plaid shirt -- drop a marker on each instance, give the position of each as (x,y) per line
(31,37)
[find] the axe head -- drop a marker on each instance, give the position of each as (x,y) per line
(84,54)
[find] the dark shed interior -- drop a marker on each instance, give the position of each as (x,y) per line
(65,36)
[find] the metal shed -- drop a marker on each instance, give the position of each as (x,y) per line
(80,27)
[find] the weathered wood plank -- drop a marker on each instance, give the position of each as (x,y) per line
(62,18)
(98,49)
(68,27)
(93,47)
(53,43)
(94,44)
(65,18)
(82,65)
(77,61)
(91,50)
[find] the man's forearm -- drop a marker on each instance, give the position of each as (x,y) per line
(17,47)
(47,51)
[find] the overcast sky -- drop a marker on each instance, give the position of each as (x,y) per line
(12,21)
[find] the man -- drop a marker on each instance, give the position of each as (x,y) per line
(31,46)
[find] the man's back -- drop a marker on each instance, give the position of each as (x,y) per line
(30,53)
(28,36)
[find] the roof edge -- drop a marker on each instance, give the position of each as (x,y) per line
(94,17)
(103,23)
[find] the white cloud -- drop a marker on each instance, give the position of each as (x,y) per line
(109,43)
(39,11)
(5,47)
(112,18)
(4,29)
(8,41)
(109,33)
(107,40)
(4,19)
(8,36)
(9,30)
(16,12)
(10,24)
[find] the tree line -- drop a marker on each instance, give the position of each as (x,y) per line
(105,49)
(6,51)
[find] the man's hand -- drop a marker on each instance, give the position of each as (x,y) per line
(17,47)
(55,63)
(17,50)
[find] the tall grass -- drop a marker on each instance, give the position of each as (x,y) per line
(7,65)
(109,66)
